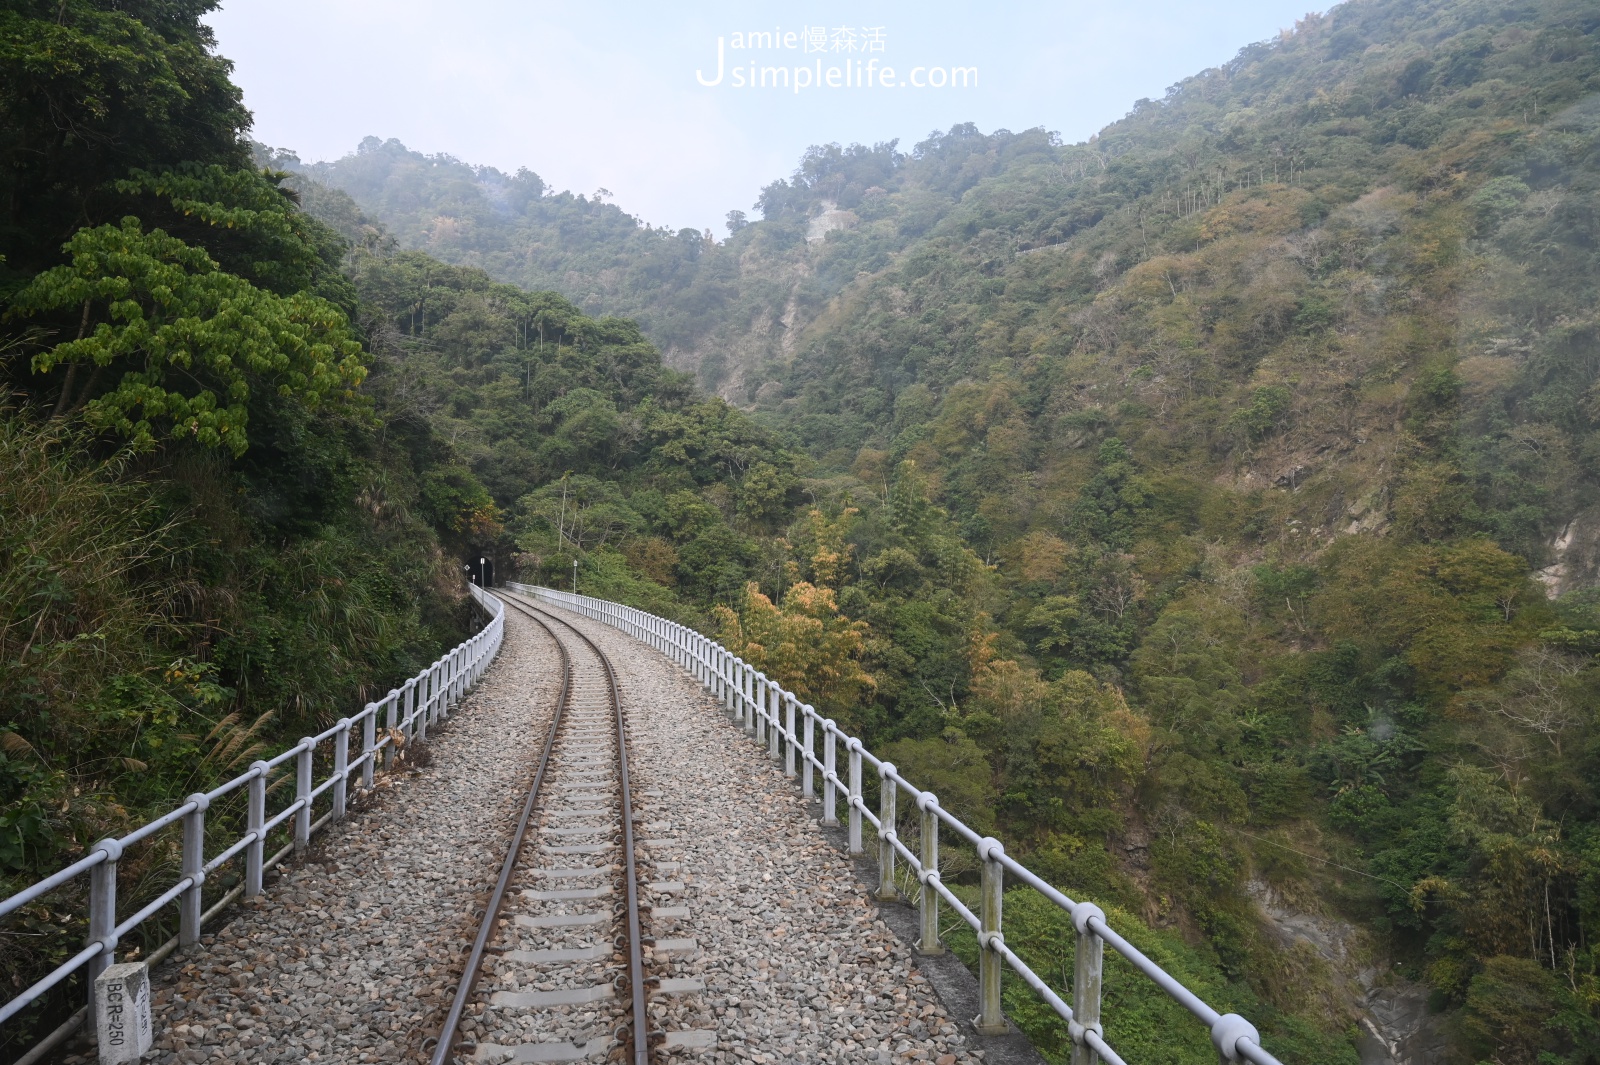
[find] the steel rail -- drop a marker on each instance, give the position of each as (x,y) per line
(639,1030)
(491,911)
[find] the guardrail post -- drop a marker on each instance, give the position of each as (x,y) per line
(888,791)
(341,768)
(1086,980)
(788,746)
(391,719)
(421,710)
(103,912)
(808,786)
(407,726)
(419,727)
(854,747)
(369,742)
(302,794)
(991,1019)
(750,681)
(745,693)
(757,716)
(194,868)
(255,855)
(928,900)
(830,773)
(759,707)
(757,712)
(452,684)
(768,697)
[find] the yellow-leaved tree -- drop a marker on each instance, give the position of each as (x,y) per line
(806,645)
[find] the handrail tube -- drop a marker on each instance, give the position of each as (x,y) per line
(150,908)
(170,818)
(231,786)
(50,883)
(55,976)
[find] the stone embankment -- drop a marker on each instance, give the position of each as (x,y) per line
(351,956)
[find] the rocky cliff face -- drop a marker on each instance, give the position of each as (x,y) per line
(1574,556)
(1358,983)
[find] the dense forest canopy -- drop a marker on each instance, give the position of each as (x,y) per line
(1208,509)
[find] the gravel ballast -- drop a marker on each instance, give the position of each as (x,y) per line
(347,956)
(796,964)
(767,947)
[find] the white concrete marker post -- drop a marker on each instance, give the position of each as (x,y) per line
(122,1012)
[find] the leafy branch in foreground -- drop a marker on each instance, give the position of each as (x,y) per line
(188,338)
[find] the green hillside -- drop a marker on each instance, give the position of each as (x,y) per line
(1271,409)
(244,460)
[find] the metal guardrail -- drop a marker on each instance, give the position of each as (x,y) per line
(770,714)
(407,712)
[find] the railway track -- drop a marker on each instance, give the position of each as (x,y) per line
(559,961)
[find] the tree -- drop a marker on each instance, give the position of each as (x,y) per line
(806,645)
(90,91)
(187,341)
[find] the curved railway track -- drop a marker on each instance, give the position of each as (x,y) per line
(563,920)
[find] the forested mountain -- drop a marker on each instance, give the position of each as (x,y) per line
(1208,509)
(244,460)
(1211,504)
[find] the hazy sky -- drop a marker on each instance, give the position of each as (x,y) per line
(608,95)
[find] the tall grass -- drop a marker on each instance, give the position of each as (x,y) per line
(155,638)
(89,627)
